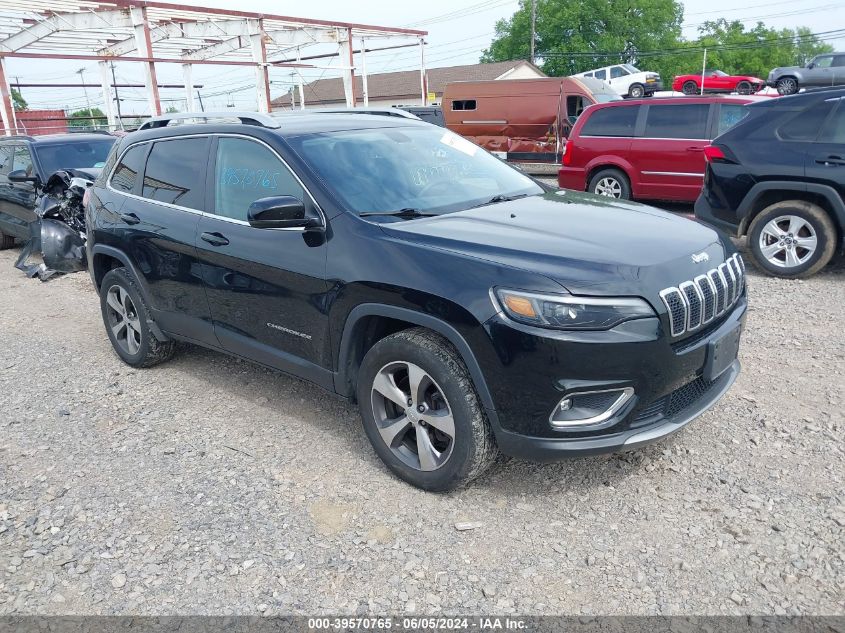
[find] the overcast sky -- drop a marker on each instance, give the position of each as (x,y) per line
(458,31)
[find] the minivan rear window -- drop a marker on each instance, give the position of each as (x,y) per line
(687,120)
(612,122)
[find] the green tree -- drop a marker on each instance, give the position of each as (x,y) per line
(82,118)
(18,101)
(171,109)
(572,37)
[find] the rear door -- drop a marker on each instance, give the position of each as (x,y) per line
(668,151)
(825,160)
(265,286)
(157,224)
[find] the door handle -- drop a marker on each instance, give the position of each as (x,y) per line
(215,239)
(694,148)
(130,218)
(831,161)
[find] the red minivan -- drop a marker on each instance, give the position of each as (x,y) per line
(646,149)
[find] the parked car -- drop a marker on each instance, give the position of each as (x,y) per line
(627,80)
(779,178)
(648,150)
(466,308)
(27,161)
(822,70)
(716,81)
(521,119)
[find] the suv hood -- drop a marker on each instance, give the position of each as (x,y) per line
(588,244)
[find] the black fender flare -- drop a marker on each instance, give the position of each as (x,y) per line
(423,320)
(123,258)
(825,191)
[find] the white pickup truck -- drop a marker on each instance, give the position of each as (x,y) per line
(627,80)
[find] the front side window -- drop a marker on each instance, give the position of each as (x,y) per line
(677,121)
(246,171)
(127,170)
(823,62)
(805,125)
(612,122)
(730,115)
(6,154)
(22,160)
(423,168)
(617,71)
(175,172)
(463,104)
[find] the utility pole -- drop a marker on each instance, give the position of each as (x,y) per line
(199,96)
(116,96)
(533,27)
(81,73)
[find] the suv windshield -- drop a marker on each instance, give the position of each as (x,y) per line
(74,154)
(425,169)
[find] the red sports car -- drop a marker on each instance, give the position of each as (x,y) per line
(717,81)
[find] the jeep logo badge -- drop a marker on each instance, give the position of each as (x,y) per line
(700,258)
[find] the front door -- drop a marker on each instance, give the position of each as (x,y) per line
(266,287)
(17,200)
(670,152)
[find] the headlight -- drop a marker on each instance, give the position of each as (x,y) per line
(568,312)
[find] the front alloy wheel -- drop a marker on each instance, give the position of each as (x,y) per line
(413,416)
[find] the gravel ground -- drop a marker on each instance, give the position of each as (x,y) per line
(208,485)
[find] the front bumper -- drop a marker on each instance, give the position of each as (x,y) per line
(653,86)
(667,377)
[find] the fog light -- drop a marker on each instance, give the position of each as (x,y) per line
(589,408)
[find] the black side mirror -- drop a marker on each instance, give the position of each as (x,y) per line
(811,65)
(20,176)
(280,212)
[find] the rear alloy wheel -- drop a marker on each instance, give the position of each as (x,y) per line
(690,88)
(421,412)
(744,88)
(787,86)
(636,91)
(6,241)
(792,239)
(610,183)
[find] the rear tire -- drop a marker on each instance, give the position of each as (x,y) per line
(636,91)
(611,183)
(127,320)
(787,86)
(744,88)
(6,241)
(690,88)
(415,391)
(792,239)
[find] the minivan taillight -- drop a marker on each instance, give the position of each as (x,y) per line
(715,154)
(567,154)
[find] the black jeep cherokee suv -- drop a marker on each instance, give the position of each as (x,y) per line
(779,177)
(27,162)
(466,309)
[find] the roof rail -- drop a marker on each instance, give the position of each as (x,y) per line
(12,137)
(246,118)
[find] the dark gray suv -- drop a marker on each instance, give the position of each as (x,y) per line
(822,70)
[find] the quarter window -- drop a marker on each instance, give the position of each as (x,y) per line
(612,122)
(176,172)
(246,171)
(126,172)
(463,104)
(677,121)
(834,128)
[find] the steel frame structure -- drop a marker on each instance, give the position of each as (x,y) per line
(151,32)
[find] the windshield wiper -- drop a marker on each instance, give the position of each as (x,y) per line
(408,213)
(500,198)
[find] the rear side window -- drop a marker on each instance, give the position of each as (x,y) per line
(463,104)
(730,115)
(611,122)
(246,171)
(677,121)
(127,170)
(805,125)
(175,172)
(834,128)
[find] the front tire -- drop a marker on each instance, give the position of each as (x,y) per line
(610,183)
(636,91)
(690,88)
(792,239)
(127,321)
(421,412)
(787,86)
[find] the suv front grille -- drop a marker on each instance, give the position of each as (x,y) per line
(675,402)
(695,303)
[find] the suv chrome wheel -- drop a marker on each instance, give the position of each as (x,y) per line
(123,319)
(413,416)
(787,86)
(609,187)
(788,241)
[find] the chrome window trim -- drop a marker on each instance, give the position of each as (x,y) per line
(690,326)
(207,213)
(680,174)
(624,397)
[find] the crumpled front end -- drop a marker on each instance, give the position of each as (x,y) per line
(62,250)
